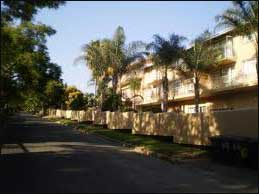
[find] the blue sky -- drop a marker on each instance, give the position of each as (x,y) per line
(77,23)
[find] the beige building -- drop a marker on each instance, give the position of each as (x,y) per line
(231,84)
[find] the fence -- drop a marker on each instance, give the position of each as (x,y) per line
(120,120)
(185,128)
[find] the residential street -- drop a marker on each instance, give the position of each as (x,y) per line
(42,156)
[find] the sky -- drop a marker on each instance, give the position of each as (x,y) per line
(79,22)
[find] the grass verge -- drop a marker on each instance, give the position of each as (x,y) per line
(148,145)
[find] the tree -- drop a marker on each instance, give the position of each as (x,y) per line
(25,64)
(111,100)
(90,100)
(25,10)
(55,93)
(243,17)
(74,98)
(134,84)
(117,55)
(197,60)
(108,59)
(32,103)
(95,56)
(165,54)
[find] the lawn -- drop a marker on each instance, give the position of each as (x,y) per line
(152,144)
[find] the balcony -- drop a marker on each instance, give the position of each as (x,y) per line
(226,52)
(181,89)
(236,80)
(151,95)
(127,76)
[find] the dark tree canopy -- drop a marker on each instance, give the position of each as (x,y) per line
(25,10)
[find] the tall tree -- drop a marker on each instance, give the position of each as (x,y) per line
(108,59)
(25,64)
(135,84)
(25,10)
(117,55)
(243,17)
(74,98)
(197,60)
(55,94)
(165,54)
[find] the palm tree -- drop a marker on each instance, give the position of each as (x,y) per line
(243,17)
(134,84)
(165,54)
(95,60)
(197,60)
(117,55)
(108,59)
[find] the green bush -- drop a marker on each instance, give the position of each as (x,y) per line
(112,102)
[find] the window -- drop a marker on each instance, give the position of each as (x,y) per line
(248,66)
(191,108)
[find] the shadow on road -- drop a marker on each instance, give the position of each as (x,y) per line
(42,156)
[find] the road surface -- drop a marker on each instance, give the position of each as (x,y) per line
(41,156)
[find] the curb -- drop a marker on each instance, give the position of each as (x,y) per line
(145,152)
(108,139)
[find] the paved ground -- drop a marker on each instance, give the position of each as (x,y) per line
(41,156)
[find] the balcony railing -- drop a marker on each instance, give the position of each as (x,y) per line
(237,79)
(182,89)
(151,95)
(185,90)
(226,52)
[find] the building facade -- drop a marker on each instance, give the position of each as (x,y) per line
(230,84)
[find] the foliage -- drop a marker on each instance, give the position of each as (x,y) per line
(55,93)
(243,17)
(32,103)
(90,100)
(25,64)
(108,60)
(198,59)
(74,98)
(25,10)
(112,101)
(165,53)
(134,84)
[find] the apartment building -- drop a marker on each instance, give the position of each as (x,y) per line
(230,84)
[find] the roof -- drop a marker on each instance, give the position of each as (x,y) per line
(222,32)
(216,35)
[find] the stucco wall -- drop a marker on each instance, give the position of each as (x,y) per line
(193,129)
(100,118)
(52,112)
(120,120)
(85,115)
(75,115)
(68,114)
(60,113)
(197,128)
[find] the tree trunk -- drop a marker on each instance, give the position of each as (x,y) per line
(114,88)
(164,104)
(197,92)
(95,87)
(114,83)
(134,93)
(256,65)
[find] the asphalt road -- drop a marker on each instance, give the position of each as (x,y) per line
(42,156)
